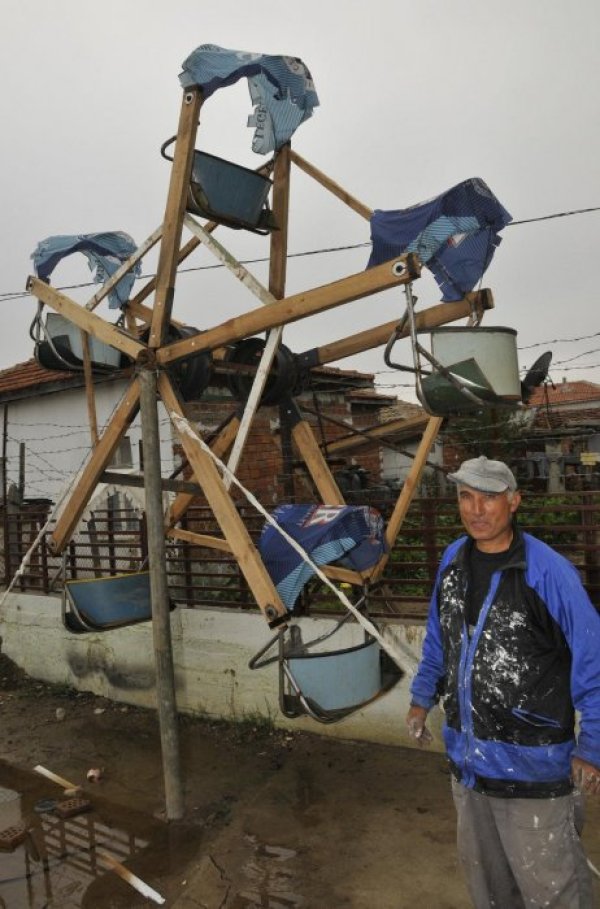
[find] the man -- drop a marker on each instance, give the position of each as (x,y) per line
(512,649)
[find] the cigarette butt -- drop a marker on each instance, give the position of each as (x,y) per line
(130,878)
(65,784)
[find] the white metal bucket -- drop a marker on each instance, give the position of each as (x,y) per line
(494,350)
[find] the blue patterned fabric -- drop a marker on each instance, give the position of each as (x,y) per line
(281,89)
(105,253)
(353,534)
(455,235)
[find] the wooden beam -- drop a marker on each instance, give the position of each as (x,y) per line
(397,271)
(174,213)
(97,462)
(408,427)
(345,575)
(430,318)
(220,446)
(87,321)
(89,387)
(279,237)
(198,539)
(223,508)
(363,210)
(318,468)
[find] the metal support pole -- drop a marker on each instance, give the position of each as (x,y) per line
(161,627)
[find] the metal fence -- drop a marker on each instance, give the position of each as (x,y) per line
(114,542)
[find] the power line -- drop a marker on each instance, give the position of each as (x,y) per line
(16,295)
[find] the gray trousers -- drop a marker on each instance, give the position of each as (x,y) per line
(522,853)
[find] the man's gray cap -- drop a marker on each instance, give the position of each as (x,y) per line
(484,475)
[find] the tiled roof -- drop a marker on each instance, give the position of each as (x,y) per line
(565,393)
(29,375)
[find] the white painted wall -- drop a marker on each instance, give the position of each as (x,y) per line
(211,650)
(395,466)
(55,430)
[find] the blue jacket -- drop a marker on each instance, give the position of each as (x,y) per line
(510,689)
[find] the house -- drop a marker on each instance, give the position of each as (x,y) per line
(46,434)
(563,450)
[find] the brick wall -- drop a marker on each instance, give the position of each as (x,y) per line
(262,468)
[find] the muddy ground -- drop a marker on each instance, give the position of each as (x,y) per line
(273,819)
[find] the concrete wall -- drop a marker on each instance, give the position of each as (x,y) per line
(212,648)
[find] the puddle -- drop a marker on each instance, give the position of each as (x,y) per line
(53,862)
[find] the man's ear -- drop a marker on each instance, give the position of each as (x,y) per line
(516,501)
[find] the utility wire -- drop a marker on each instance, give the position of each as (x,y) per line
(16,295)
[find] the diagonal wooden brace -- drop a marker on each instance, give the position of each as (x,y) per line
(97,462)
(225,512)
(87,321)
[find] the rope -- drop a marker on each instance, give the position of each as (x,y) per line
(400,655)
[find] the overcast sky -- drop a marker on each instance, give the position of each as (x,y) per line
(415,97)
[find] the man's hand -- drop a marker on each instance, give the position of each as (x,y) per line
(415,722)
(586,777)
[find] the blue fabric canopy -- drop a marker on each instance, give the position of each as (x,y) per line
(105,253)
(455,235)
(281,89)
(326,533)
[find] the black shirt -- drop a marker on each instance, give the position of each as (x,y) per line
(482,565)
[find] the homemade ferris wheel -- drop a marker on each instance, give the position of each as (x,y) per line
(455,235)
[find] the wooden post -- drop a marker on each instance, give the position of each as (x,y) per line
(174,213)
(89,388)
(21,485)
(161,626)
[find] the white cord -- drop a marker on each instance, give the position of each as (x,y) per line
(405,660)
(593,868)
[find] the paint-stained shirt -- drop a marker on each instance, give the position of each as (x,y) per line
(510,688)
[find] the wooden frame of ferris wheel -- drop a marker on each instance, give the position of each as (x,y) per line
(273,313)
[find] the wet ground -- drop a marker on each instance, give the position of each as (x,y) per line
(273,819)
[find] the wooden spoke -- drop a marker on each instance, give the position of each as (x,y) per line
(87,321)
(227,517)
(390,274)
(174,213)
(99,459)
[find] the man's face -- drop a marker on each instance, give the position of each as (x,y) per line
(487,517)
